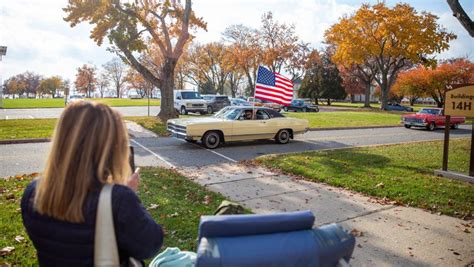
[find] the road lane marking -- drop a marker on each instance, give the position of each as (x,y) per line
(217,153)
(154,154)
(6,117)
(31,117)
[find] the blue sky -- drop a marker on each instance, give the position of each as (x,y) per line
(39,40)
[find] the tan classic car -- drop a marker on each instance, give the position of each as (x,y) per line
(237,123)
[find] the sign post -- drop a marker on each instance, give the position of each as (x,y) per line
(458,102)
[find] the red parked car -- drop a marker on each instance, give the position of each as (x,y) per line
(430,118)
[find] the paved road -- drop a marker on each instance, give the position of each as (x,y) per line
(27,158)
(43,113)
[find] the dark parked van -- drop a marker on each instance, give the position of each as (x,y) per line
(216,102)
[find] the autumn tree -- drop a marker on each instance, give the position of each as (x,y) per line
(247,52)
(15,86)
(207,66)
(352,83)
(136,82)
(128,25)
(390,37)
(86,79)
(115,70)
(103,82)
(279,42)
(50,85)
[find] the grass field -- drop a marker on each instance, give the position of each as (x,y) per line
(347,118)
(59,102)
(25,129)
(173,201)
(400,173)
(151,123)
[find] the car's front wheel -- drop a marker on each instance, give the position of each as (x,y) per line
(285,109)
(211,140)
(209,110)
(455,126)
(432,126)
(407,126)
(305,110)
(282,137)
(183,111)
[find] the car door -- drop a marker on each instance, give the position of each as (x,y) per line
(249,128)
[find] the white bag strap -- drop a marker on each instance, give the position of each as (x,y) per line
(105,244)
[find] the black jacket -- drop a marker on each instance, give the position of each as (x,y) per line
(60,243)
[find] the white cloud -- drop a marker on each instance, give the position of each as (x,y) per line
(39,40)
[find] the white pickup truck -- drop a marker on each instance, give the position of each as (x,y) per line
(189,101)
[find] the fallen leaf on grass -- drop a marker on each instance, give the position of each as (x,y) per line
(356,233)
(6,251)
(152,207)
(467,231)
(207,200)
(380,185)
(19,238)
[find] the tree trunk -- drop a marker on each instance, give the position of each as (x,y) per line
(412,101)
(167,110)
(352,98)
(367,96)
(329,101)
(384,91)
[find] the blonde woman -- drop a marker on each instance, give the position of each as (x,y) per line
(89,149)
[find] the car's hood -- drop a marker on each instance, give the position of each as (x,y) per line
(189,121)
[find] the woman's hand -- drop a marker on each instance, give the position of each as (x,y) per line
(134,180)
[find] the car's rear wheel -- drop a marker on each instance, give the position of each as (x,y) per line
(432,126)
(211,140)
(183,111)
(407,126)
(285,109)
(455,126)
(282,137)
(209,110)
(305,110)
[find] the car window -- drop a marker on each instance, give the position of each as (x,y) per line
(274,114)
(262,115)
(429,111)
(232,114)
(207,97)
(247,114)
(190,95)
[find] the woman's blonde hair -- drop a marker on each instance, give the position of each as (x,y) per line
(89,147)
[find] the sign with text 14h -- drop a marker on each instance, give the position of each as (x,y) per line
(273,87)
(460,102)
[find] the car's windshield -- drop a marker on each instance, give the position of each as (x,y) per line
(220,112)
(227,113)
(429,111)
(190,95)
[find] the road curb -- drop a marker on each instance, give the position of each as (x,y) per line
(353,128)
(24,141)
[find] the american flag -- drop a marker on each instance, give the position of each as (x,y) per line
(273,87)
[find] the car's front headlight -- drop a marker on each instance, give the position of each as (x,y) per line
(189,105)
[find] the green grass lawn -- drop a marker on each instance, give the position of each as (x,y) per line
(59,102)
(151,123)
(401,173)
(347,118)
(180,203)
(25,129)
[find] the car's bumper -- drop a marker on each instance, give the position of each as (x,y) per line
(416,124)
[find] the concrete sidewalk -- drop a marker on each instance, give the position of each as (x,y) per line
(388,235)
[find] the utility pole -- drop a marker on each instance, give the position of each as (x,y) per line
(3,52)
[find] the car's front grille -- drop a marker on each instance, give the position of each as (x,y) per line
(415,120)
(176,128)
(198,105)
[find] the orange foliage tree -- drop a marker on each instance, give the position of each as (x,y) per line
(129,24)
(86,80)
(392,38)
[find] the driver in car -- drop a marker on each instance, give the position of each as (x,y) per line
(248,115)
